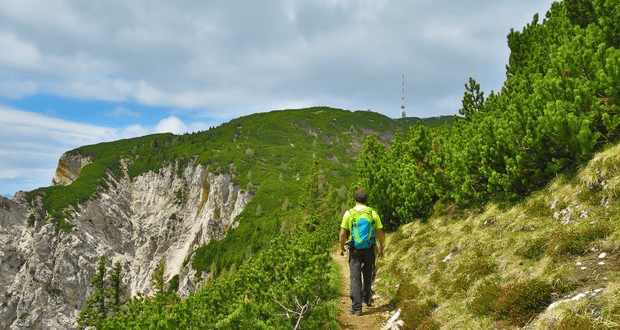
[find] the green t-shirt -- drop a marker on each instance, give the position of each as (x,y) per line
(347,219)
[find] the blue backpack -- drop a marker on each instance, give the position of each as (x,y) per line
(363,228)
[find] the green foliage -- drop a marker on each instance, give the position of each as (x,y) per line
(181,196)
(117,289)
(559,104)
(473,100)
(400,182)
(431,122)
(107,298)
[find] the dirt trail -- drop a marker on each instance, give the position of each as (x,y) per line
(372,318)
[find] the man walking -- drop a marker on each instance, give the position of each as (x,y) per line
(363,225)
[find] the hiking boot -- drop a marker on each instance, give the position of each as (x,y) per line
(353,312)
(368,303)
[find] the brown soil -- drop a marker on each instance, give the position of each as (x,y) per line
(594,274)
(372,317)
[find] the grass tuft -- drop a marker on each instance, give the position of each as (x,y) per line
(485,296)
(417,315)
(521,301)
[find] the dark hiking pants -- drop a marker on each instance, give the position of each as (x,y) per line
(361,263)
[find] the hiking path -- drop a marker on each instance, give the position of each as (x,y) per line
(372,318)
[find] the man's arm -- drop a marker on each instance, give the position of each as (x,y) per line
(381,239)
(344,234)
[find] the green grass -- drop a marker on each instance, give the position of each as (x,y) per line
(510,262)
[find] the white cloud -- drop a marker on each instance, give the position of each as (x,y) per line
(16,52)
(122,112)
(224,59)
(171,125)
(134,130)
(224,56)
(31,143)
(9,173)
(18,89)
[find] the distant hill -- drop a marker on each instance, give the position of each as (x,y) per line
(267,153)
(430,122)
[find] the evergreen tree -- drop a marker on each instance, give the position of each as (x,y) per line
(95,309)
(473,100)
(106,301)
(117,288)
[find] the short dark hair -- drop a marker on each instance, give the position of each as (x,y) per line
(361,196)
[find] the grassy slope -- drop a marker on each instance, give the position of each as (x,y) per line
(503,266)
(430,122)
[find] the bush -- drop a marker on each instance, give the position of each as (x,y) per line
(576,322)
(470,271)
(519,302)
(534,248)
(173,284)
(417,315)
(407,291)
(577,238)
(485,297)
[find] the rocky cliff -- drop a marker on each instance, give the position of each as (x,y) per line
(69,168)
(45,272)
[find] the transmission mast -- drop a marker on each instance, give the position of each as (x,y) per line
(402,105)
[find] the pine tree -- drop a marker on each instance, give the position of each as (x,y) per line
(473,100)
(106,301)
(95,309)
(117,289)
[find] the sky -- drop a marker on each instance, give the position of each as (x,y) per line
(74,73)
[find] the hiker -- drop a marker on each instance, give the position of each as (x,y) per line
(364,226)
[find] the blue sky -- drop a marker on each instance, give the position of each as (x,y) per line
(75,73)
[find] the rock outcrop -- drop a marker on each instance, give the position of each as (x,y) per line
(69,168)
(45,272)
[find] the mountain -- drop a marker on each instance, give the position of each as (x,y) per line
(201,203)
(429,122)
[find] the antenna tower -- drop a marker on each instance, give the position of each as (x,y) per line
(402,106)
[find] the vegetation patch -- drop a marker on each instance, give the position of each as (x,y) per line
(418,315)
(575,239)
(485,297)
(470,271)
(521,301)
(576,322)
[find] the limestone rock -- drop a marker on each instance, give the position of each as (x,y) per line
(45,272)
(69,168)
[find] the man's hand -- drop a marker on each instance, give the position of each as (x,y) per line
(342,238)
(381,239)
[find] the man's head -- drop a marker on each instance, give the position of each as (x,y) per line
(361,196)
